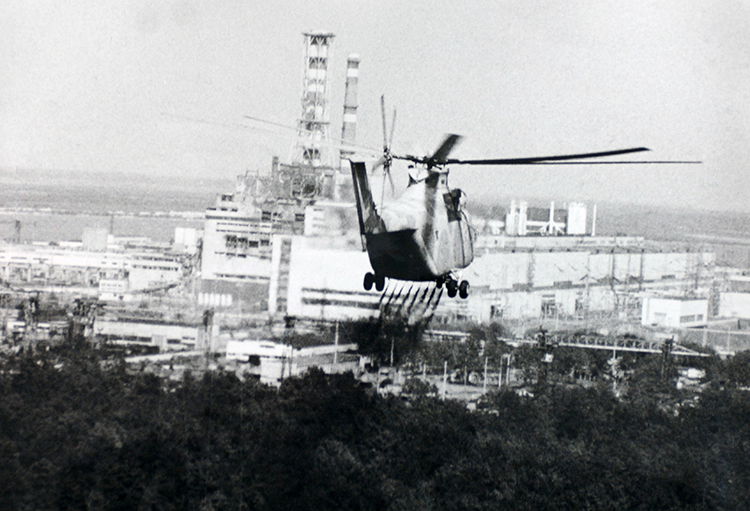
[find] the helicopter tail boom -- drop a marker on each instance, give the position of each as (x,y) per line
(369,219)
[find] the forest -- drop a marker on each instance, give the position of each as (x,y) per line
(79,434)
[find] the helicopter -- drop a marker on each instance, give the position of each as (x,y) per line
(425,234)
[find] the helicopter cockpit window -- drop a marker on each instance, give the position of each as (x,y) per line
(452,204)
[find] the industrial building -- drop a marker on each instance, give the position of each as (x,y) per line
(507,284)
(114,274)
(165,335)
(236,252)
(674,311)
(735,301)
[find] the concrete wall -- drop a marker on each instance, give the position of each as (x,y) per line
(735,305)
(327,283)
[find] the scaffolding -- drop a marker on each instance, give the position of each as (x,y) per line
(312,135)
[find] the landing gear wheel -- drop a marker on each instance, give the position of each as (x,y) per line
(452,286)
(439,282)
(369,281)
(463,289)
(379,282)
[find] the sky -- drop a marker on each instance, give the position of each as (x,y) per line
(162,88)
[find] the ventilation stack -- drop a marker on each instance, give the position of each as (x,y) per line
(349,125)
(312,139)
(523,212)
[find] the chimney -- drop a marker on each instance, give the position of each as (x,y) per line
(349,124)
(551,226)
(523,208)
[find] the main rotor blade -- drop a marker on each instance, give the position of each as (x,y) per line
(622,162)
(337,143)
(382,115)
(442,152)
(544,159)
(332,142)
(393,129)
(272,123)
(390,178)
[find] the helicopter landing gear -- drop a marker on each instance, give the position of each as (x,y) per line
(377,280)
(463,289)
(453,286)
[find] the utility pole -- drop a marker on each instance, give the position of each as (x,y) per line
(484,386)
(587,297)
(445,379)
(505,360)
(547,347)
(336,345)
(500,371)
(507,371)
(208,322)
(392,341)
(666,358)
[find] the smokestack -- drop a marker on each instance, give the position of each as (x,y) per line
(511,219)
(551,217)
(349,124)
(593,222)
(523,211)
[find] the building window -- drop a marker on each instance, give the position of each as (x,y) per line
(549,305)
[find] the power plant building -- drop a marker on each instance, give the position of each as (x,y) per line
(312,280)
(287,242)
(236,252)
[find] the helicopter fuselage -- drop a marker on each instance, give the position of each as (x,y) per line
(423,235)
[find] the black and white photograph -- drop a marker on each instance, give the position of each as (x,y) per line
(374,255)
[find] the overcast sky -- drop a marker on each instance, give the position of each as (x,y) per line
(84,85)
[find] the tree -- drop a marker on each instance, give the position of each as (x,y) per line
(737,369)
